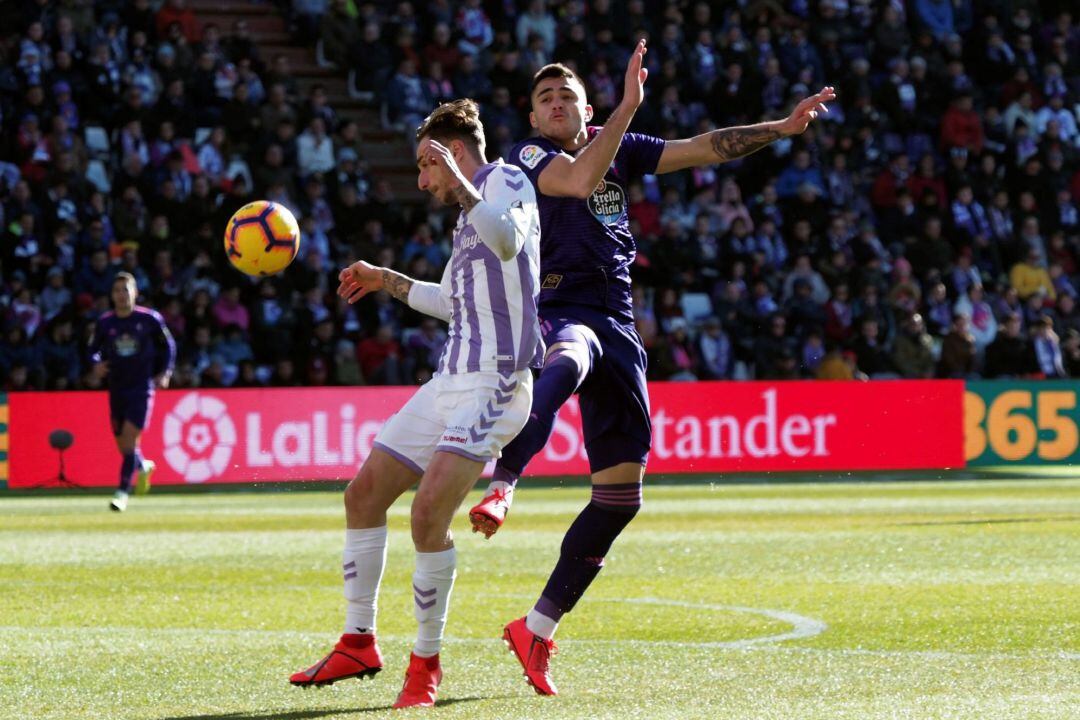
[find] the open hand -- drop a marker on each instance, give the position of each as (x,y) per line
(808,110)
(636,74)
(439,155)
(358,280)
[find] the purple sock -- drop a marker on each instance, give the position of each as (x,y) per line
(586,543)
(127,470)
(555,385)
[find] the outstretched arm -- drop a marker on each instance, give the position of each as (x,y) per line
(577,177)
(362,278)
(731,143)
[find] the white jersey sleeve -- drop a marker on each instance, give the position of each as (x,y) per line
(503,218)
(432,298)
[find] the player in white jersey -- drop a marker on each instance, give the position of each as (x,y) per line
(476,403)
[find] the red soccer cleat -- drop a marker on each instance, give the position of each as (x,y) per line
(421,682)
(354,655)
(534,653)
(488,515)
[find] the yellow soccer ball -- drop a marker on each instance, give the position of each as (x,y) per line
(262,238)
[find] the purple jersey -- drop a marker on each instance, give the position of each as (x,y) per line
(137,348)
(586,248)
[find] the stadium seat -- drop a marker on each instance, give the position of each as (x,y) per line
(384,119)
(97,141)
(696,306)
(320,56)
(357,94)
(98,176)
(237,166)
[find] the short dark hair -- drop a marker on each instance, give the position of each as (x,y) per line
(455,120)
(554,70)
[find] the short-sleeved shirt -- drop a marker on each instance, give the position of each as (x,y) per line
(137,347)
(586,248)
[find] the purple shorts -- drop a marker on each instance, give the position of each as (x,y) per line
(129,405)
(613,398)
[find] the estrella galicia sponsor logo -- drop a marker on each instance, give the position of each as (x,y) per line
(608,202)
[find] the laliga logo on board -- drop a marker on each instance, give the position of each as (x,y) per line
(199,437)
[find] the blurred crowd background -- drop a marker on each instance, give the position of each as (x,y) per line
(928,226)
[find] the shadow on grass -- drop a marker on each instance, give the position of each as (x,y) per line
(314,714)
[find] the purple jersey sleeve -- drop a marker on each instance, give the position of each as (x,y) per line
(532,156)
(165,355)
(642,153)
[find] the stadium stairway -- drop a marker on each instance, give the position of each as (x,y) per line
(387,152)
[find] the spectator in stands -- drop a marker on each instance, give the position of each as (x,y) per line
(1010,354)
(715,360)
(338,33)
(407,98)
(60,355)
(372,59)
(870,352)
(230,312)
(839,365)
(308,14)
(958,354)
(675,353)
(176,12)
(475,27)
(315,149)
(913,354)
(380,357)
(799,173)
(1030,276)
(1047,348)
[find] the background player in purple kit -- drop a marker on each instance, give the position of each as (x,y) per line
(138,351)
(581,174)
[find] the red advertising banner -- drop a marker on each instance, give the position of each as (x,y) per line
(200,436)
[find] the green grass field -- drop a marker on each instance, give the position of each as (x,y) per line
(787,601)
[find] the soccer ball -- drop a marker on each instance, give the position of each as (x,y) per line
(262,238)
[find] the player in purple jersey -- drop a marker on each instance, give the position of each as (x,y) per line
(581,175)
(135,347)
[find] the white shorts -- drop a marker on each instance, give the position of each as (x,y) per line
(470,414)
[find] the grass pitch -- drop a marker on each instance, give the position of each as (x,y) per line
(899,600)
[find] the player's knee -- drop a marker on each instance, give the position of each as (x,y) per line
(429,529)
(361,489)
(574,356)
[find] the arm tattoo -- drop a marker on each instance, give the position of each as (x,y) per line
(736,142)
(467,196)
(396,284)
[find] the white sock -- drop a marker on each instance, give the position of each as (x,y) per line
(540,624)
(363,562)
(500,485)
(433,580)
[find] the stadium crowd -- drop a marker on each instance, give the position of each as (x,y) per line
(928,226)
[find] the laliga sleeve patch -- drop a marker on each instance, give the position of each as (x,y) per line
(531,155)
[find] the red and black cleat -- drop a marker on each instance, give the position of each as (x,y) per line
(534,653)
(488,515)
(354,656)
(421,683)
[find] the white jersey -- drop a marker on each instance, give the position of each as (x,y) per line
(492,302)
